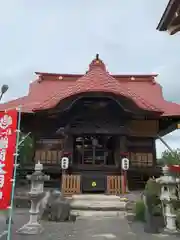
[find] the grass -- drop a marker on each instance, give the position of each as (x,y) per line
(3,211)
(139,211)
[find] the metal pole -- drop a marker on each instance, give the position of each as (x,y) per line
(162,140)
(14,174)
(1,96)
(20,142)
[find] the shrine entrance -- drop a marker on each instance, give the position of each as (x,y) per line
(92,153)
(94,149)
(94,125)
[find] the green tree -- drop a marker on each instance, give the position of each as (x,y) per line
(26,149)
(170,158)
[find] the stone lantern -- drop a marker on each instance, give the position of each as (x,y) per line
(36,194)
(168,196)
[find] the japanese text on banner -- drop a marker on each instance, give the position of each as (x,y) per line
(8,125)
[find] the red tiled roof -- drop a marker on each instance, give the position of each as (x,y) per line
(49,89)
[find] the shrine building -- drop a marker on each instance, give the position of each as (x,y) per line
(96,119)
(170,20)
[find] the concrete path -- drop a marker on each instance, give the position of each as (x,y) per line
(117,228)
(85,228)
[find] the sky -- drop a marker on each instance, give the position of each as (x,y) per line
(63,37)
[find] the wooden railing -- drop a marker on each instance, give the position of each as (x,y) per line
(71,184)
(114,185)
(141,159)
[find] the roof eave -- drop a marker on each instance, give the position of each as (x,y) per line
(58,74)
(167,15)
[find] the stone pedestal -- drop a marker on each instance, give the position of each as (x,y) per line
(31,229)
(170,219)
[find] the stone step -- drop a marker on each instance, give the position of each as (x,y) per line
(96,197)
(98,205)
(81,213)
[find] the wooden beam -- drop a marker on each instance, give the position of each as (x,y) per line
(172,127)
(174,26)
(168,15)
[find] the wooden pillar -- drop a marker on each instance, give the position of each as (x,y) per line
(66,177)
(123,144)
(154,153)
(34,148)
(124,181)
(117,151)
(68,144)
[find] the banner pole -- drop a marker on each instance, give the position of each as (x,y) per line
(14,174)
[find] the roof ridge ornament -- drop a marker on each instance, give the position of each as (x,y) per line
(97,62)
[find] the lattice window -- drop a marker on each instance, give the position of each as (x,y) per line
(48,157)
(49,151)
(141,159)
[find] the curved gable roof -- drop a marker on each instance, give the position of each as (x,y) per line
(97,79)
(49,89)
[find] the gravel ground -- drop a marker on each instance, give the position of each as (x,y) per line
(52,230)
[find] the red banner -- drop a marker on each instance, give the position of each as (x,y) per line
(8,126)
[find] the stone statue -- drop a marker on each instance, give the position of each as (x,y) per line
(43,205)
(57,208)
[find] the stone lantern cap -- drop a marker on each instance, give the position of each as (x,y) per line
(167,180)
(38,175)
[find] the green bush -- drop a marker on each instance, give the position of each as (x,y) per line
(139,210)
(157,210)
(152,188)
(152,193)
